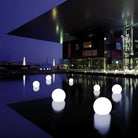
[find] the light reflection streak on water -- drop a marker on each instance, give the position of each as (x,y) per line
(58,106)
(102,123)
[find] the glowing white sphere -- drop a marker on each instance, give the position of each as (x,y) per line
(48,77)
(58,106)
(58,95)
(71,80)
(102,106)
(116,89)
(96,87)
(36,84)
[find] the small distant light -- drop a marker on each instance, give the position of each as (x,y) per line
(85,71)
(96,87)
(122,36)
(116,89)
(106,72)
(58,95)
(24,61)
(102,106)
(36,84)
(71,82)
(48,77)
(105,38)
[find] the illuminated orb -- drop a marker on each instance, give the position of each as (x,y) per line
(48,77)
(96,87)
(102,106)
(36,84)
(58,106)
(116,89)
(71,82)
(58,95)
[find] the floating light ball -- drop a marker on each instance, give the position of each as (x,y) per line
(36,84)
(71,82)
(58,95)
(58,106)
(116,89)
(102,106)
(96,87)
(48,77)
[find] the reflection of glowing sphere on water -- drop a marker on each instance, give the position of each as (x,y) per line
(102,106)
(58,95)
(36,84)
(116,89)
(116,97)
(36,89)
(102,123)
(58,106)
(96,93)
(96,87)
(48,77)
(48,82)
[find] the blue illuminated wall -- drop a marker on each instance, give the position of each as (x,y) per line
(14,13)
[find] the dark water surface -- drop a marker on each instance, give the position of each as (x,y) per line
(75,116)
